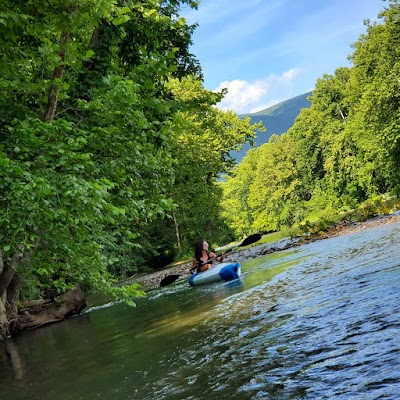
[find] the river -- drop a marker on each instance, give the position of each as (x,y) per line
(321,321)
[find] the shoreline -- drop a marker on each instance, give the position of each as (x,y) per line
(35,314)
(152,280)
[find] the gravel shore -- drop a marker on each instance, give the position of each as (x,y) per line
(152,280)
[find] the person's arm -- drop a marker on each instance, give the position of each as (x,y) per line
(221,257)
(194,266)
(218,258)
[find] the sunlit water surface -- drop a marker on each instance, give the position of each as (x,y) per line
(318,322)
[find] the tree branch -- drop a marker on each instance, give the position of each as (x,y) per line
(57,77)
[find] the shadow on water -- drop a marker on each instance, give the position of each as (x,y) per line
(319,322)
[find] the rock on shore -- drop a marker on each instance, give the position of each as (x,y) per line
(152,280)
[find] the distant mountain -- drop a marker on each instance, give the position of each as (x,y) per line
(277,119)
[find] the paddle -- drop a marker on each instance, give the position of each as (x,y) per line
(246,242)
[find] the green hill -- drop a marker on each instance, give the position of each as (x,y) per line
(277,119)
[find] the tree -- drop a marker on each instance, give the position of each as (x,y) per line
(236,187)
(84,138)
(376,70)
(340,152)
(205,138)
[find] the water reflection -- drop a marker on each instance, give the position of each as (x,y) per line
(17,364)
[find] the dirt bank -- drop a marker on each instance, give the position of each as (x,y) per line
(152,280)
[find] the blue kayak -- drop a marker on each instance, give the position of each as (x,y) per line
(223,272)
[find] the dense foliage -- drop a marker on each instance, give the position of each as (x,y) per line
(340,153)
(203,139)
(112,151)
(105,134)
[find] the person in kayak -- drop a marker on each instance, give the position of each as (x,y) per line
(202,255)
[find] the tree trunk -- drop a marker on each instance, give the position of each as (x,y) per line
(94,41)
(9,293)
(3,318)
(178,237)
(1,261)
(341,114)
(6,277)
(13,291)
(57,77)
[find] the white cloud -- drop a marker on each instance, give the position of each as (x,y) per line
(244,96)
(241,95)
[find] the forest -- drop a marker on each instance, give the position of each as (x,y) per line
(114,158)
(341,154)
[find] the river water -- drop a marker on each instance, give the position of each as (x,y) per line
(318,322)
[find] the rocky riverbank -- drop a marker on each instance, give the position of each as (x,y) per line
(152,280)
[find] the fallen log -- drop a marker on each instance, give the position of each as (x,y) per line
(34,314)
(33,304)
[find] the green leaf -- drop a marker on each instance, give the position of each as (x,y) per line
(89,54)
(121,20)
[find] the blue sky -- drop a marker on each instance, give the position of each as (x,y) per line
(267,51)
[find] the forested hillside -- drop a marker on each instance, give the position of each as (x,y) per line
(341,152)
(276,119)
(102,114)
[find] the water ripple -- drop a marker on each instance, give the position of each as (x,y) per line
(327,328)
(321,322)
